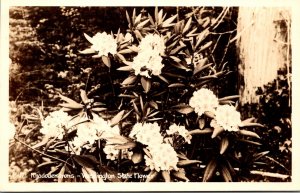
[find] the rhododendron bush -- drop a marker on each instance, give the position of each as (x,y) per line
(166,122)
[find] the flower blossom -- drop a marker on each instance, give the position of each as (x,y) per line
(149,61)
(153,42)
(227,117)
(163,157)
(147,134)
(103,44)
(204,100)
(55,123)
(112,153)
(89,132)
(175,129)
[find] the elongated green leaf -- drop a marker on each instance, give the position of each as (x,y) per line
(153,104)
(201,123)
(175,59)
(210,170)
(249,120)
(217,130)
(200,67)
(152,176)
(183,108)
(167,22)
(88,38)
(133,48)
(125,68)
(128,20)
(117,118)
(88,51)
(229,98)
(43,142)
(176,85)
(98,109)
(71,106)
(160,17)
(163,79)
(138,34)
(156,13)
(260,155)
(207,45)
(129,80)
(68,100)
(251,125)
(177,49)
(96,56)
(249,141)
(133,15)
(201,37)
(180,175)
(208,77)
(191,33)
(209,114)
(201,131)
(106,61)
(224,145)
(153,114)
(155,119)
(83,96)
(46,164)
(226,173)
(187,162)
(248,133)
(121,57)
(140,25)
(166,176)
(147,152)
(187,26)
(125,51)
(137,19)
(126,115)
(128,145)
(146,83)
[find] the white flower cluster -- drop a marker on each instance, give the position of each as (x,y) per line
(164,157)
(55,123)
(153,42)
(227,117)
(175,129)
(104,44)
(147,133)
(89,132)
(149,58)
(204,100)
(112,153)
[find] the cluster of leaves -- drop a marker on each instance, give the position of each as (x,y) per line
(46,45)
(274,111)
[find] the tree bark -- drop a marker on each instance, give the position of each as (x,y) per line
(263,46)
